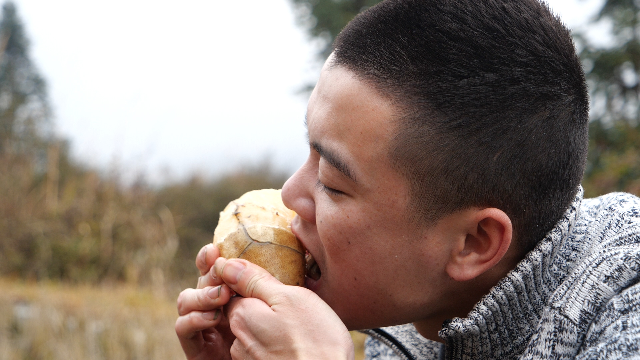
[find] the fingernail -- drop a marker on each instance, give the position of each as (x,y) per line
(233,270)
(210,316)
(216,314)
(212,272)
(202,254)
(215,267)
(214,293)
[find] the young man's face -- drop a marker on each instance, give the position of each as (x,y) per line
(377,268)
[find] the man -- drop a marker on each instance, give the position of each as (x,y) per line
(441,200)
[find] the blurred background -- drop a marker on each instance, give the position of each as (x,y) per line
(126,127)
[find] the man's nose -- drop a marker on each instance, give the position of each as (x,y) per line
(297,193)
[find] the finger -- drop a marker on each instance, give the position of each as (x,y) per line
(209,279)
(208,254)
(248,280)
(238,350)
(206,299)
(206,257)
(248,316)
(248,348)
(190,325)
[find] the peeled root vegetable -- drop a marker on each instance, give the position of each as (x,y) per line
(256,227)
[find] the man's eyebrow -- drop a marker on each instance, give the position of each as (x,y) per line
(334,161)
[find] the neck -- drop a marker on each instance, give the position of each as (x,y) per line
(465,296)
(429,330)
(460,304)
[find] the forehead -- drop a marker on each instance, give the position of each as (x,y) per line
(347,115)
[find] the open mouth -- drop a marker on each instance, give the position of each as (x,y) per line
(312,268)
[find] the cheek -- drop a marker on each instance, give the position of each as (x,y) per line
(336,224)
(348,239)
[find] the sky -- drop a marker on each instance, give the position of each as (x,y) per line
(169,91)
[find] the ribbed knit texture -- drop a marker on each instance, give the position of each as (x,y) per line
(575,296)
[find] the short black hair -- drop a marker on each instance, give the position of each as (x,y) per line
(492,99)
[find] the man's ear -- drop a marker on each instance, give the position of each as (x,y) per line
(488,237)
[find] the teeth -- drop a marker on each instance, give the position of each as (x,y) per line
(309,261)
(312,269)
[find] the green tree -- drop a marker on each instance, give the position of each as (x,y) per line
(24,107)
(324,19)
(613,74)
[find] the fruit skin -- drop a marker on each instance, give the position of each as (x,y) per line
(257,227)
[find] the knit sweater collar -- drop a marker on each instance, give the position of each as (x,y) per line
(501,324)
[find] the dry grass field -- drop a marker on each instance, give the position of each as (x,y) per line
(63,322)
(52,321)
(67,225)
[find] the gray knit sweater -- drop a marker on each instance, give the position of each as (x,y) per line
(575,296)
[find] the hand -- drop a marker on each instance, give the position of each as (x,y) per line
(202,328)
(275,321)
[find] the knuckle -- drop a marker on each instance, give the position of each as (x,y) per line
(253,283)
(251,349)
(200,300)
(244,349)
(236,350)
(181,300)
(193,320)
(190,300)
(182,327)
(284,298)
(236,319)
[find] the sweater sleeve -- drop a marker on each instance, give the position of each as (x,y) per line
(615,333)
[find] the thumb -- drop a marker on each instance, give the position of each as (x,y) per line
(247,279)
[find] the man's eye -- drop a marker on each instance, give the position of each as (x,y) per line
(327,189)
